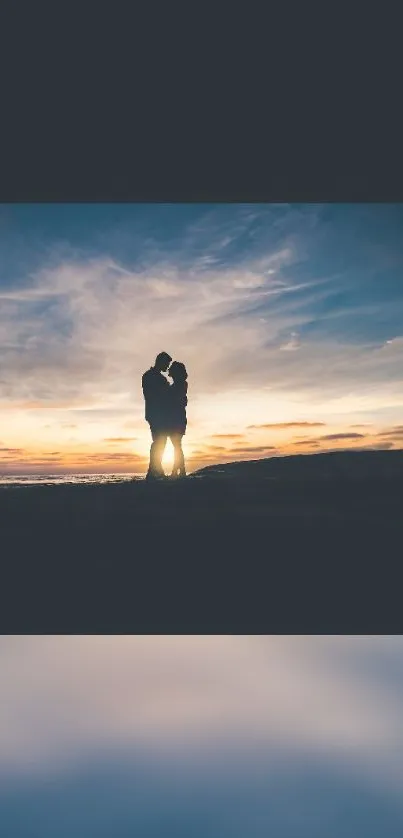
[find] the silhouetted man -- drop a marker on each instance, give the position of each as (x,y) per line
(156,395)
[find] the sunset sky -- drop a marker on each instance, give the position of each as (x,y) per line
(206,736)
(289,319)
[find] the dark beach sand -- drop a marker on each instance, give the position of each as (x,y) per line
(302,544)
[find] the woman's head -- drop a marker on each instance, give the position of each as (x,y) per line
(177,371)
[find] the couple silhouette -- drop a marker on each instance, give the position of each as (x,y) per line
(165,412)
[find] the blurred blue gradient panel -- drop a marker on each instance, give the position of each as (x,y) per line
(201,736)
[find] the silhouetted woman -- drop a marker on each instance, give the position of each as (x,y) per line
(178,421)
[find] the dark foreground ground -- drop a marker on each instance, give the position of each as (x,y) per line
(308,544)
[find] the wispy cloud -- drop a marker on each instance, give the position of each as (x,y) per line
(310,443)
(377,446)
(286,425)
(252,449)
(343,436)
(120,439)
(292,344)
(396,432)
(227,436)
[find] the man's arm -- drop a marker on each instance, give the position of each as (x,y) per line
(144,384)
(156,390)
(150,385)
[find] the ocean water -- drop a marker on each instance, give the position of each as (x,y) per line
(15,480)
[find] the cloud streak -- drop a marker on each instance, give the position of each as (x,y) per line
(120,439)
(286,425)
(343,436)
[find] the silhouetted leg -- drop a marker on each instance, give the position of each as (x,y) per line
(179,459)
(156,453)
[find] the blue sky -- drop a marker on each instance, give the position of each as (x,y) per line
(281,313)
(203,735)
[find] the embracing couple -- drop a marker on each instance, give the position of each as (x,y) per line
(165,412)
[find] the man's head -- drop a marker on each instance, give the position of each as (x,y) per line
(162,361)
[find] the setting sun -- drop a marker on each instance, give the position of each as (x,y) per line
(168,458)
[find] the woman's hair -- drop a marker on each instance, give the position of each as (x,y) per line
(177,371)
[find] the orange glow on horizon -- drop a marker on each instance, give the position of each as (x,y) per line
(115,456)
